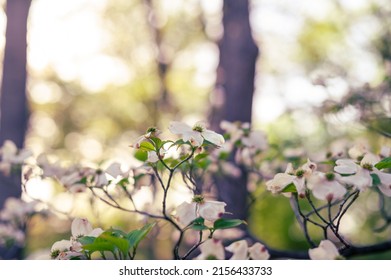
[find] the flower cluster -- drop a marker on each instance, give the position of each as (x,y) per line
(332,185)
(329,188)
(11,157)
(13,218)
(213,249)
(363,174)
(72,248)
(247,142)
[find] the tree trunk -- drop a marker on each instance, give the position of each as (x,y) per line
(13,100)
(233,96)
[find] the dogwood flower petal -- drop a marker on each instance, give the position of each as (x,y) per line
(212,210)
(186,213)
(62,246)
(239,250)
(95,232)
(211,249)
(324,188)
(258,252)
(369,159)
(357,151)
(362,180)
(152,157)
(80,227)
(114,170)
(325,251)
(385,182)
(213,137)
(179,127)
(194,137)
(345,166)
(309,167)
(279,182)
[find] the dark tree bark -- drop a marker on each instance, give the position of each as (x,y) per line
(13,100)
(233,97)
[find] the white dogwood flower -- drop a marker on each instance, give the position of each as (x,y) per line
(209,210)
(279,182)
(325,251)
(196,134)
(239,250)
(326,187)
(258,252)
(82,227)
(298,178)
(361,174)
(211,249)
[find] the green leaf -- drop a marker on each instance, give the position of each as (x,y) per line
(84,240)
(384,163)
(123,182)
(83,180)
(134,237)
(171,162)
(227,223)
(224,155)
(100,246)
(289,188)
(147,147)
(117,232)
(121,243)
(178,143)
(204,164)
(141,155)
(200,156)
(158,142)
(375,180)
(198,224)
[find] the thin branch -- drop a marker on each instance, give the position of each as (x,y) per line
(195,246)
(356,195)
(119,207)
(315,210)
(303,223)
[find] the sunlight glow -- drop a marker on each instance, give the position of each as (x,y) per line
(69,38)
(40,189)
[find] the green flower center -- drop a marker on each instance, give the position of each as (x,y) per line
(198,128)
(368,166)
(211,257)
(330,176)
(300,173)
(55,254)
(198,199)
(152,130)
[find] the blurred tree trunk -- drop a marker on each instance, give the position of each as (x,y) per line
(13,103)
(233,96)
